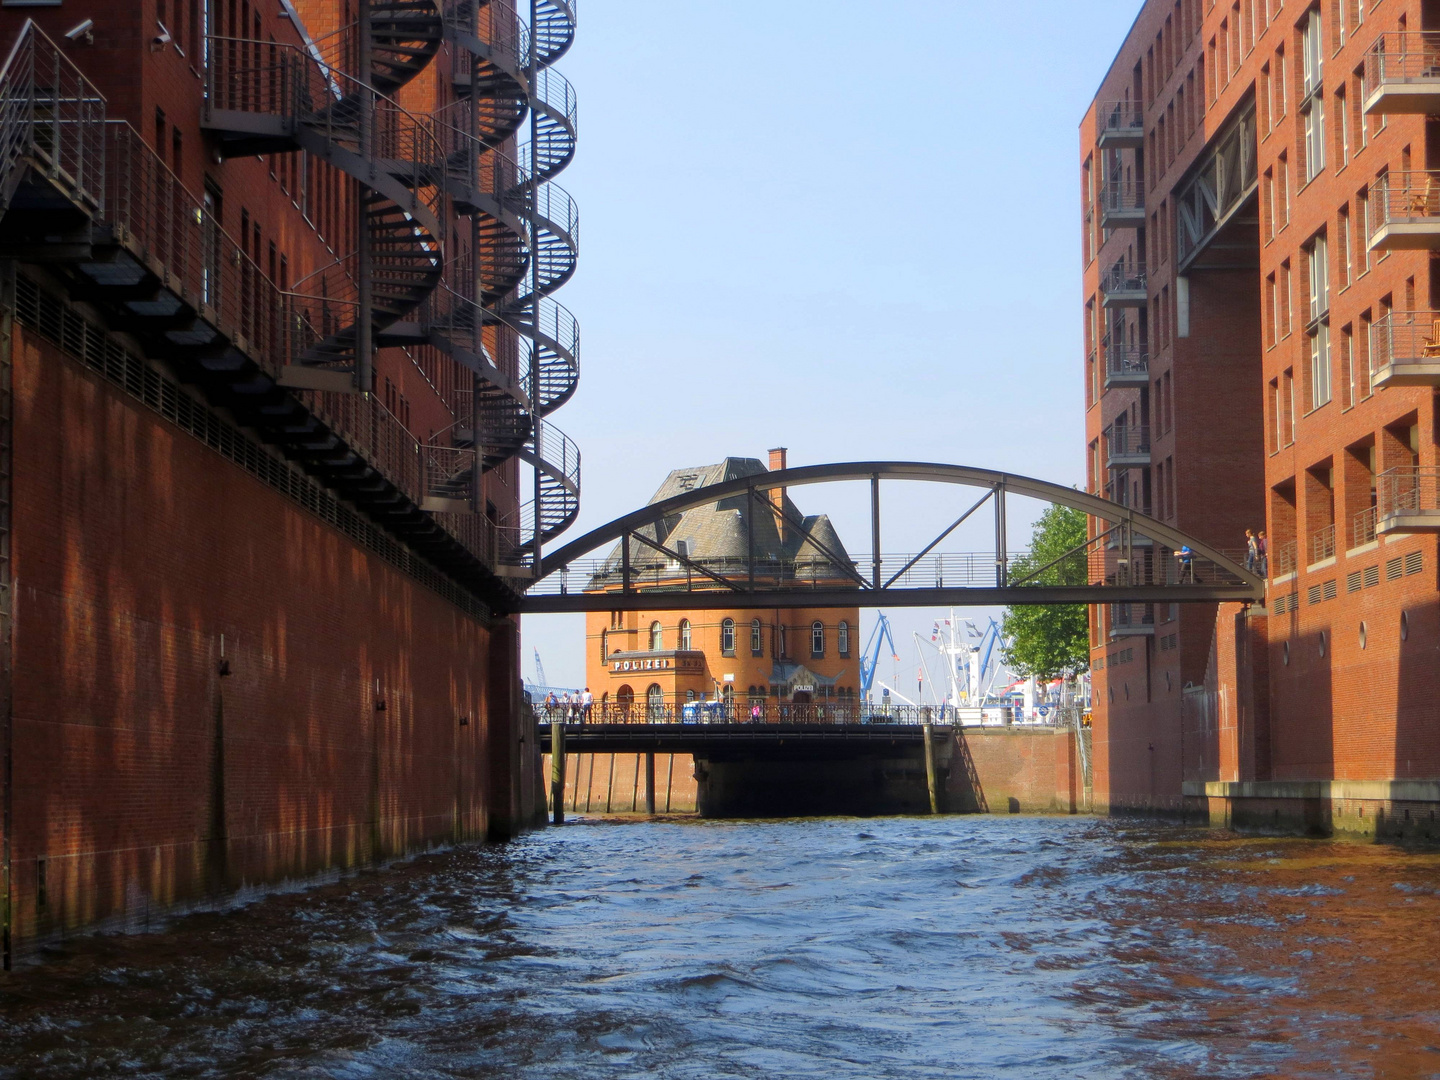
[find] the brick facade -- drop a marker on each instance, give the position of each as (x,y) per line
(1244,430)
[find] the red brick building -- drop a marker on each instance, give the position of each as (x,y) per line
(1261,185)
(277,349)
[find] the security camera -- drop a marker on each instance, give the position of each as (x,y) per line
(160,40)
(84,31)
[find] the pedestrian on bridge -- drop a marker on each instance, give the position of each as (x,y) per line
(1262,546)
(587,702)
(1186,562)
(1252,550)
(551,704)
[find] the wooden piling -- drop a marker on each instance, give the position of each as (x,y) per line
(929,732)
(557,771)
(650,784)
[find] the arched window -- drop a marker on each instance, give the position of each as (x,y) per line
(684,633)
(817,639)
(655,701)
(657,637)
(842,638)
(727,637)
(604,645)
(757,639)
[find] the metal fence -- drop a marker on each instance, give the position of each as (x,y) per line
(742,711)
(1408,491)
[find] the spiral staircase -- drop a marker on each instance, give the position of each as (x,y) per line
(495,315)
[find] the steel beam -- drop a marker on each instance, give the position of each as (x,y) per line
(686,600)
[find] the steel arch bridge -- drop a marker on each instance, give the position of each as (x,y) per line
(1130,558)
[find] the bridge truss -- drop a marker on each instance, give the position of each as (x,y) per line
(1129,558)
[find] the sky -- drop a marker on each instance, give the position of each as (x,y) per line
(850,229)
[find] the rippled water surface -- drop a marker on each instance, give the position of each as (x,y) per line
(904,947)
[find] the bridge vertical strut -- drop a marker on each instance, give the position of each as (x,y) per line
(750,533)
(1001,560)
(365,254)
(875,530)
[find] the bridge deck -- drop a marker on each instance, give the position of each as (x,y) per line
(693,738)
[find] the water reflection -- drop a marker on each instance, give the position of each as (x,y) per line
(985,947)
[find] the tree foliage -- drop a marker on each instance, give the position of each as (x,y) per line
(1047,640)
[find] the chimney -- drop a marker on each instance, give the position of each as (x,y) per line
(777,495)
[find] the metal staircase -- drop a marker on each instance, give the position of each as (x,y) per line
(524,228)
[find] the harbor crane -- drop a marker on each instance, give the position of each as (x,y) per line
(870,656)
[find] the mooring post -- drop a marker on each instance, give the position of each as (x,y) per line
(930,767)
(650,784)
(557,771)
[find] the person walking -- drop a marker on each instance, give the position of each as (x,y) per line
(1186,563)
(587,701)
(755,712)
(550,705)
(1252,550)
(1262,549)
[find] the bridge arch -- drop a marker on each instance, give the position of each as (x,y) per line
(1207,575)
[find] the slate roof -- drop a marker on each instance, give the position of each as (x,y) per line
(716,533)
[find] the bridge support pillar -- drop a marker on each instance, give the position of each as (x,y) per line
(650,784)
(930,767)
(557,772)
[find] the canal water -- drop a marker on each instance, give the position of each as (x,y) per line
(901,947)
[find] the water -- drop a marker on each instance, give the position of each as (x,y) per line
(905,947)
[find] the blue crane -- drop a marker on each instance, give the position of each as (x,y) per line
(870,657)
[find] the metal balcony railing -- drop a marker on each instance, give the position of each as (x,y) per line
(1362,527)
(1122,201)
(1132,619)
(1124,277)
(1405,210)
(1127,445)
(1126,364)
(1405,348)
(1283,558)
(1407,493)
(1322,544)
(1402,73)
(1119,123)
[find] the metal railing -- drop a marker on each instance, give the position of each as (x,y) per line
(1408,491)
(1399,57)
(1283,558)
(1127,440)
(1403,338)
(741,710)
(1124,277)
(1362,527)
(1132,617)
(1405,198)
(1322,544)
(1119,118)
(1123,359)
(1119,196)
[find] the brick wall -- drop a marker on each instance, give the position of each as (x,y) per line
(145,566)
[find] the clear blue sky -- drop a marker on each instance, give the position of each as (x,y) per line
(851,229)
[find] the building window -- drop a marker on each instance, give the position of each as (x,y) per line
(727,637)
(1320,366)
(842,638)
(604,645)
(757,638)
(817,639)
(1318,272)
(655,701)
(1312,107)
(657,637)
(684,633)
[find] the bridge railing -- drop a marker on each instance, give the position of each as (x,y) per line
(778,713)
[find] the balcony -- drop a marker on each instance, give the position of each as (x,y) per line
(1406,212)
(1362,528)
(1405,349)
(1409,501)
(1127,447)
(1283,559)
(1124,286)
(1131,620)
(1119,125)
(1122,204)
(1402,74)
(1126,365)
(1322,545)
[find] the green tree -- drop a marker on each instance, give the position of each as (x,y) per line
(1047,640)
